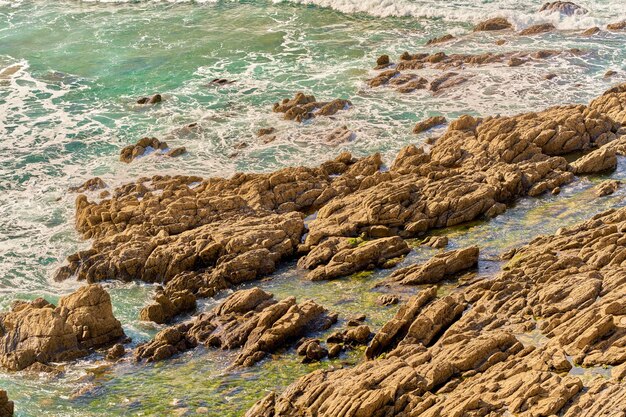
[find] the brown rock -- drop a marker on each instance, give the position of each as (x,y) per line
(617,26)
(497,23)
(150,100)
(116,352)
(383,61)
(6,406)
(607,187)
(340,135)
(40,332)
(591,31)
(149,146)
(566,8)
(387,300)
(537,29)
(437,269)
(429,123)
(442,39)
(92,184)
(303,107)
(600,160)
(436,242)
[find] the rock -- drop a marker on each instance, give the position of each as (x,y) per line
(436,242)
(609,73)
(303,107)
(265,131)
(600,160)
(537,29)
(40,332)
(383,61)
(447,80)
(442,39)
(550,76)
(429,123)
(617,26)
(387,300)
(607,187)
(360,257)
(92,184)
(150,100)
(148,146)
(497,23)
(500,42)
(437,269)
(612,103)
(339,136)
(220,82)
(249,320)
(6,406)
(312,351)
(116,352)
(566,8)
(515,62)
(591,31)
(166,306)
(556,191)
(334,351)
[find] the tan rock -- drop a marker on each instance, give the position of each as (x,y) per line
(607,187)
(429,123)
(537,29)
(498,23)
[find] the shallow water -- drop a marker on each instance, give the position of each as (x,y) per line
(70,73)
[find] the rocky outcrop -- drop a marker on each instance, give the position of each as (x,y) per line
(303,107)
(92,184)
(436,242)
(612,103)
(566,8)
(249,320)
(6,406)
(38,332)
(537,29)
(497,23)
(353,257)
(437,269)
(463,354)
(429,124)
(617,25)
(147,146)
(154,99)
(443,39)
(600,160)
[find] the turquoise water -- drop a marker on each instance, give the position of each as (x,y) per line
(70,73)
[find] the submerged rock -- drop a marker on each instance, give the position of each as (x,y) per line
(303,107)
(148,145)
(537,29)
(92,184)
(150,100)
(566,8)
(38,331)
(442,39)
(249,320)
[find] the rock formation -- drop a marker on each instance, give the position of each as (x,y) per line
(6,406)
(537,29)
(566,8)
(150,146)
(607,187)
(154,99)
(38,332)
(463,354)
(429,124)
(303,107)
(249,320)
(497,23)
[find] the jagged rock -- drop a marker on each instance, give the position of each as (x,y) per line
(40,332)
(149,145)
(566,8)
(312,351)
(248,319)
(366,255)
(609,73)
(150,100)
(600,160)
(497,23)
(617,25)
(6,406)
(436,242)
(437,269)
(168,305)
(612,103)
(92,184)
(429,123)
(220,82)
(447,80)
(442,39)
(537,29)
(383,61)
(265,131)
(303,107)
(352,336)
(607,187)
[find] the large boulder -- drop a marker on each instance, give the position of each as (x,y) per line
(38,331)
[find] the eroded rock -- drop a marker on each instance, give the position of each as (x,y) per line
(566,8)
(148,146)
(303,107)
(6,406)
(497,23)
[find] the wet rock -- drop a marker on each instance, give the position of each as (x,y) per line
(600,160)
(220,82)
(312,351)
(340,135)
(249,320)
(150,100)
(303,107)
(352,336)
(147,146)
(515,62)
(387,300)
(442,39)
(500,42)
(566,8)
(429,123)
(383,61)
(609,73)
(436,269)
(612,103)
(367,255)
(115,352)
(556,191)
(356,320)
(497,23)
(607,187)
(591,31)
(92,184)
(168,305)
(447,80)
(436,242)
(617,25)
(6,406)
(265,131)
(537,29)
(550,76)
(334,351)
(38,331)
